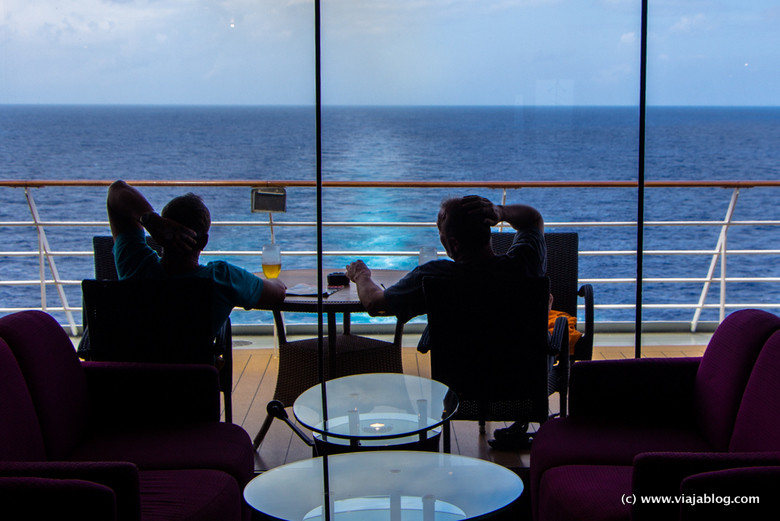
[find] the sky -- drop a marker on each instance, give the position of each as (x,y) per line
(388,52)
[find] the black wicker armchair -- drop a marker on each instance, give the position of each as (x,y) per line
(105,270)
(563,272)
(490,345)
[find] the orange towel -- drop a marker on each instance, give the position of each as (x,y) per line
(574,335)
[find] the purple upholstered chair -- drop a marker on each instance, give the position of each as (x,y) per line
(104,433)
(715,488)
(645,426)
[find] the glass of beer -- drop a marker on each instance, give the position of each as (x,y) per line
(272,261)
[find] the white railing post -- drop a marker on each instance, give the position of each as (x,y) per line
(720,254)
(723,250)
(44,251)
(503,203)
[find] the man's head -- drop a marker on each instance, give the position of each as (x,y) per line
(191,211)
(462,233)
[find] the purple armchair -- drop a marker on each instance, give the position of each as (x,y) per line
(663,427)
(112,440)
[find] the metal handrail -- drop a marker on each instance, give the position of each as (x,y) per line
(494,185)
(718,254)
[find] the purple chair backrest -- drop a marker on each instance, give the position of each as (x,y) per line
(20,433)
(725,369)
(757,427)
(54,377)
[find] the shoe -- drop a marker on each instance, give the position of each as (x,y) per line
(519,442)
(514,437)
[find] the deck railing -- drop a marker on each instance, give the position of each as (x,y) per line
(717,253)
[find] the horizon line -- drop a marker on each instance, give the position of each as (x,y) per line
(390,105)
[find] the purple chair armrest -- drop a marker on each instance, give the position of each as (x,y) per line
(634,390)
(747,492)
(662,474)
(132,394)
(44,498)
(121,478)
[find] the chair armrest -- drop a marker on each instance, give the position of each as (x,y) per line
(634,390)
(132,394)
(44,498)
(558,379)
(662,474)
(86,479)
(559,340)
(584,348)
(745,492)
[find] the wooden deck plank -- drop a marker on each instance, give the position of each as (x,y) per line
(254,386)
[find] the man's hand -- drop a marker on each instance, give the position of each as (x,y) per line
(358,270)
(479,206)
(169,233)
(274,291)
(370,294)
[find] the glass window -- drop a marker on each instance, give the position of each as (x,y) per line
(712,117)
(166,90)
(465,91)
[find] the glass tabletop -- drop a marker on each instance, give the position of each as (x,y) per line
(397,485)
(376,406)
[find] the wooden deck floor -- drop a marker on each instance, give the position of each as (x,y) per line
(255,371)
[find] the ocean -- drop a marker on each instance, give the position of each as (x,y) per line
(407,144)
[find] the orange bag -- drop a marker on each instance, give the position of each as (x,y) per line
(574,335)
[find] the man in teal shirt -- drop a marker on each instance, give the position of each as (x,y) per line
(182,230)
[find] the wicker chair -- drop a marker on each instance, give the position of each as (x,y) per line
(105,270)
(103,249)
(346,354)
(490,345)
(562,270)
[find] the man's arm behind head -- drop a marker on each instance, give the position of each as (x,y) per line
(519,216)
(128,210)
(125,206)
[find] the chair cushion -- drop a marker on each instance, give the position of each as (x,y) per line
(585,493)
(20,433)
(192,495)
(725,369)
(219,446)
(757,427)
(54,377)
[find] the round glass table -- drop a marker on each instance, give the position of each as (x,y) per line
(377,410)
(386,485)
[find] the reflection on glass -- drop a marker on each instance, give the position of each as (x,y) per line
(385,485)
(375,405)
(425,508)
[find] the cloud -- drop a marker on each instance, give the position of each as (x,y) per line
(688,24)
(81,22)
(628,38)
